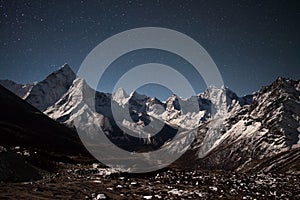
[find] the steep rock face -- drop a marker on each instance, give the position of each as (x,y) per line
(48,91)
(51,94)
(78,96)
(45,93)
(120,96)
(278,107)
(231,132)
(64,98)
(256,132)
(90,111)
(193,112)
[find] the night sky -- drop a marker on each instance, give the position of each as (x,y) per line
(252,43)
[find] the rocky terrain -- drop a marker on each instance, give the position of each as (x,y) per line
(263,135)
(242,147)
(92,182)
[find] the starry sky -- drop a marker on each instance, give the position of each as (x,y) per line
(251,42)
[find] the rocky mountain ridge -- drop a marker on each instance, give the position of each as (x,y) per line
(231,132)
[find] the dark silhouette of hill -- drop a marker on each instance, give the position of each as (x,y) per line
(23,125)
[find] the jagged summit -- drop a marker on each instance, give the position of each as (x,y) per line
(65,71)
(47,92)
(284,83)
(120,92)
(249,134)
(137,96)
(252,127)
(52,87)
(120,96)
(65,66)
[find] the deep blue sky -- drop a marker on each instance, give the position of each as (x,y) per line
(252,42)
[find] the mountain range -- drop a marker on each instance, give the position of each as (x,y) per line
(257,132)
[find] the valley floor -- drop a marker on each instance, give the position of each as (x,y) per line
(91,182)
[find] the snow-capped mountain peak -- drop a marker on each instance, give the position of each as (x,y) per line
(120,96)
(250,133)
(47,92)
(231,131)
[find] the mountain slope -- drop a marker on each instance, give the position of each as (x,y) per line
(231,132)
(48,95)
(77,105)
(21,90)
(46,92)
(252,136)
(23,125)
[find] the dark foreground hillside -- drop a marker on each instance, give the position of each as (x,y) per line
(42,159)
(31,143)
(22,124)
